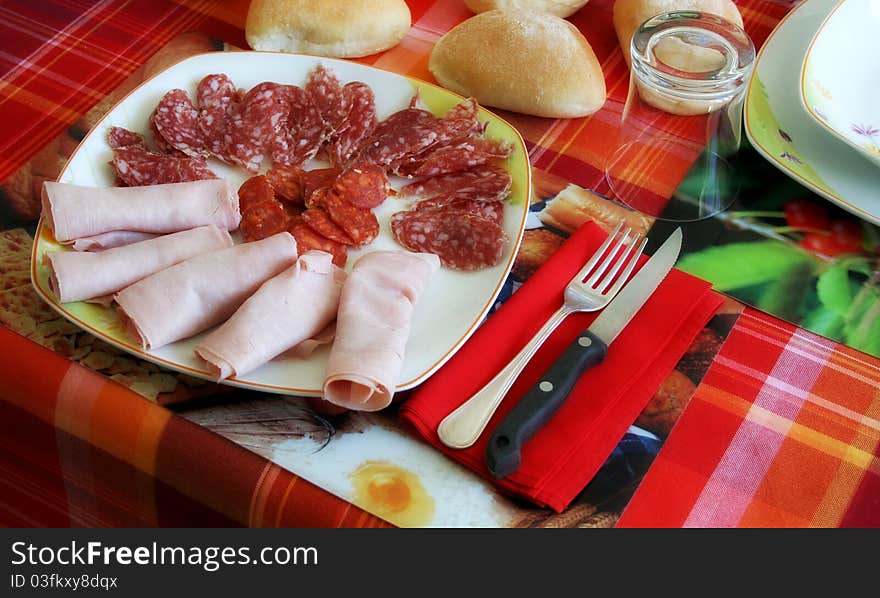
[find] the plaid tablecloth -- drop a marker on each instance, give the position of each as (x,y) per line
(783,431)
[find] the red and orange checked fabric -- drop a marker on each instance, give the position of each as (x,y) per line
(68,57)
(784,431)
(574,149)
(137,436)
(62,57)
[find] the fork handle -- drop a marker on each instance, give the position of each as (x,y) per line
(461,428)
(540,403)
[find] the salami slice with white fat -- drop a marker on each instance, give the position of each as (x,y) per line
(176,120)
(400,135)
(118,137)
(162,146)
(299,135)
(254,123)
(325,90)
(357,126)
(216,96)
(487,182)
(465,242)
(460,121)
(461,155)
(451,207)
(136,167)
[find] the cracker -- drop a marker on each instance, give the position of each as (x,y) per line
(23,325)
(16,278)
(98,360)
(23,300)
(57,327)
(15,250)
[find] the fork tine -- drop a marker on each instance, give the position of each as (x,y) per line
(612,257)
(624,257)
(597,255)
(624,276)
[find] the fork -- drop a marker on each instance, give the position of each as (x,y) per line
(461,428)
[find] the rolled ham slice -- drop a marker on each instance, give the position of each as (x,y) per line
(194,295)
(373,326)
(78,276)
(74,212)
(114,238)
(289,309)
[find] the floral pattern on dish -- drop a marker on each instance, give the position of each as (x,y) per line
(841,95)
(870,133)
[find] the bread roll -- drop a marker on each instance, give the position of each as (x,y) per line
(528,62)
(337,28)
(560,8)
(630,14)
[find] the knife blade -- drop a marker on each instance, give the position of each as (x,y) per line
(545,398)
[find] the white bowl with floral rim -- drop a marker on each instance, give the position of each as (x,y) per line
(840,76)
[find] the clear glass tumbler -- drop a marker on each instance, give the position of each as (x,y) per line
(682,121)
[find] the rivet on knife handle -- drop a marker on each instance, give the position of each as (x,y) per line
(540,403)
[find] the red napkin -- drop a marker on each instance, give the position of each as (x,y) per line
(561,458)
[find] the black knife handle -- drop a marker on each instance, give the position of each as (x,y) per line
(540,403)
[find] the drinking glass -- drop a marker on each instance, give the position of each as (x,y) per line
(681,125)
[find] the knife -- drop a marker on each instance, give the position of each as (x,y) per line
(545,398)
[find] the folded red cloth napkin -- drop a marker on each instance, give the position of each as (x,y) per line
(562,457)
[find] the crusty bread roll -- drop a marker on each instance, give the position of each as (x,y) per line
(528,62)
(560,8)
(630,14)
(336,28)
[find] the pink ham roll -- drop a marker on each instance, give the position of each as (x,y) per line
(194,295)
(74,212)
(77,276)
(373,326)
(115,238)
(289,309)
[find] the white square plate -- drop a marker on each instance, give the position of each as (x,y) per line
(449,312)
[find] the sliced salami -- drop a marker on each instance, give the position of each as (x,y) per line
(216,96)
(254,123)
(117,138)
(287,183)
(255,191)
(176,120)
(364,185)
(451,206)
(320,221)
(307,239)
(359,223)
(319,178)
(136,166)
(462,155)
(263,220)
(300,134)
(460,121)
(325,90)
(402,134)
(466,242)
(487,182)
(359,122)
(317,198)
(162,146)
